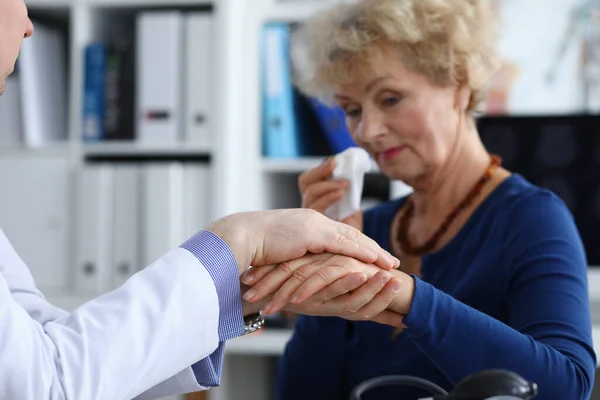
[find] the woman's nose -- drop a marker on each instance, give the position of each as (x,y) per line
(371,127)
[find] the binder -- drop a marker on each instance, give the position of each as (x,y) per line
(36,214)
(119,91)
(93,229)
(280,131)
(162,209)
(199,77)
(43,82)
(126,223)
(93,99)
(197,204)
(11,126)
(332,121)
(159,66)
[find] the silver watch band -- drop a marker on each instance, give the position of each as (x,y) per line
(253,322)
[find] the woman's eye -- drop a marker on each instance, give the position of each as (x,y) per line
(390,101)
(352,112)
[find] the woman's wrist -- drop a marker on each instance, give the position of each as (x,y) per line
(403,300)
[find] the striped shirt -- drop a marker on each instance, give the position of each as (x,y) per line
(218,259)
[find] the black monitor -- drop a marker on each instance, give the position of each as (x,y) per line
(561,153)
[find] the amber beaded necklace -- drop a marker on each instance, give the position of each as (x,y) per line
(428,246)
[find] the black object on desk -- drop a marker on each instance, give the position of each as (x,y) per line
(496,383)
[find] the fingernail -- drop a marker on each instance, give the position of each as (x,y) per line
(395,286)
(294,299)
(268,308)
(248,277)
(249,294)
(393,260)
(385,279)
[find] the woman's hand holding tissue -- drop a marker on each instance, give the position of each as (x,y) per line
(319,192)
(332,285)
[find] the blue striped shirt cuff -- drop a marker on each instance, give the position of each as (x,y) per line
(208,371)
(218,259)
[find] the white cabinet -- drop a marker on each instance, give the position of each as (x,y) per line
(35,204)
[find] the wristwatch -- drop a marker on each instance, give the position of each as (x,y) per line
(253,322)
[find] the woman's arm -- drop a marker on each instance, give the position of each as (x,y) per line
(548,335)
(547,338)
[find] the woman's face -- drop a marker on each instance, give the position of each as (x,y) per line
(407,124)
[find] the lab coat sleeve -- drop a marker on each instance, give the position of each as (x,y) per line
(139,340)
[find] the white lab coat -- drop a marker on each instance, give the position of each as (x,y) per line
(137,341)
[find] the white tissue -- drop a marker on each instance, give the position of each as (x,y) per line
(351,164)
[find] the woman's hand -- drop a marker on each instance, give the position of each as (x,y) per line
(319,192)
(331,285)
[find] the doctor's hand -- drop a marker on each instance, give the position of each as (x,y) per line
(272,237)
(330,285)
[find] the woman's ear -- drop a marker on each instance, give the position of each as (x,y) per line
(462,97)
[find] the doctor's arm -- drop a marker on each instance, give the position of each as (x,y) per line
(174,314)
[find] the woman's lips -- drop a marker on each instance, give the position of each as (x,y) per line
(390,153)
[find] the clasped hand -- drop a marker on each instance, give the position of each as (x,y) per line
(335,270)
(330,285)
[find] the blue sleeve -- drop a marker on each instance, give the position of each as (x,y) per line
(218,259)
(312,364)
(547,338)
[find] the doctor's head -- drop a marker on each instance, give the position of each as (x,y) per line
(407,73)
(15,25)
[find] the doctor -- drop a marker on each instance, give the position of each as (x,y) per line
(163,331)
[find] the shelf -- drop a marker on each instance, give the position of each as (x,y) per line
(296,11)
(143,149)
(149,3)
(291,165)
(268,342)
(36,4)
(50,149)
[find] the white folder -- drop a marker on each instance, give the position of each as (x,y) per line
(126,223)
(198,87)
(35,215)
(43,83)
(11,126)
(93,245)
(197,204)
(159,64)
(162,205)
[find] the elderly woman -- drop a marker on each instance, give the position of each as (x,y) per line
(494,272)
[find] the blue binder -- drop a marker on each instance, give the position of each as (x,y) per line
(280,131)
(93,99)
(333,125)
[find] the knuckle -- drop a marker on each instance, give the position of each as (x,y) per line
(300,275)
(351,232)
(286,268)
(322,274)
(351,309)
(329,295)
(262,286)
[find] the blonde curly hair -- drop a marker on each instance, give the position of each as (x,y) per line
(449,41)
